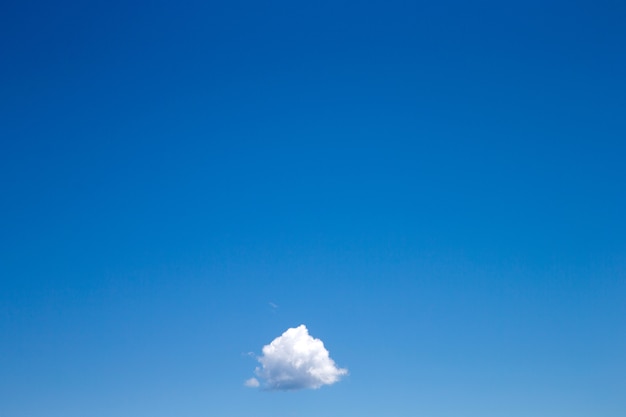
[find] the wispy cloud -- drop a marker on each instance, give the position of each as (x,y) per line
(252,383)
(296,360)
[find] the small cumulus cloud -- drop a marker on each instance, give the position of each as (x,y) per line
(252,383)
(296,360)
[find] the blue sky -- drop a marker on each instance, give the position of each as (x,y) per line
(436,190)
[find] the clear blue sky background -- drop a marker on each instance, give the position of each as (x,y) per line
(436,189)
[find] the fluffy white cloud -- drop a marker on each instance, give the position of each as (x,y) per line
(295,360)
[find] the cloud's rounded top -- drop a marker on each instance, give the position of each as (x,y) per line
(296,360)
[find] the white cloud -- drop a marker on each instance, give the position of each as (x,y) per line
(252,383)
(295,360)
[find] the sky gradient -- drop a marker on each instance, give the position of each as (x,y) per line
(436,190)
